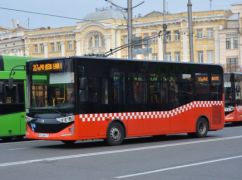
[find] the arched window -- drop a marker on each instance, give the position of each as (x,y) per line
(95,40)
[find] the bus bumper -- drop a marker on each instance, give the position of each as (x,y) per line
(65,134)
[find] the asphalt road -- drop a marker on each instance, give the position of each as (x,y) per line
(216,157)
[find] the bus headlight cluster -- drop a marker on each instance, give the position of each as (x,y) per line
(28,119)
(67,119)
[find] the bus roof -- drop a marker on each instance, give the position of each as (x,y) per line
(8,62)
(236,73)
(119,59)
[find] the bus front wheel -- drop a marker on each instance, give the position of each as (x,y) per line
(115,134)
(202,128)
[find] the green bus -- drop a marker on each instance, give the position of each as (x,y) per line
(12,97)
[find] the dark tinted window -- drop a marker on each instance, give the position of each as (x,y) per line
(11,95)
(216,90)
(185,86)
(201,86)
(136,88)
(238,89)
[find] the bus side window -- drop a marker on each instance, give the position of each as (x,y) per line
(83,89)
(154,88)
(238,94)
(173,91)
(137,89)
(215,87)
(10,96)
(201,86)
(185,88)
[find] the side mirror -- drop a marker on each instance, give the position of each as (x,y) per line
(83,83)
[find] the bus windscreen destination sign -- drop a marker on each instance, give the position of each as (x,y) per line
(47,67)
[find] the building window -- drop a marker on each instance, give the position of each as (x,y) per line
(168,36)
(137,40)
(177,56)
(70,45)
(168,56)
(210,33)
(52,46)
(36,49)
(124,40)
(232,64)
(58,47)
(154,56)
(199,34)
(232,41)
(177,35)
(154,40)
(210,56)
(200,56)
(95,40)
(42,48)
(146,41)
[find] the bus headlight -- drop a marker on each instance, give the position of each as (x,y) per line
(229,109)
(67,119)
(28,119)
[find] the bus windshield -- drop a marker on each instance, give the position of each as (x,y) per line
(52,91)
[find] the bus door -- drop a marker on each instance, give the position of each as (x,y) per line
(136,96)
(216,89)
(158,90)
(238,98)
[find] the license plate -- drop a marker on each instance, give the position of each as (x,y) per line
(43,135)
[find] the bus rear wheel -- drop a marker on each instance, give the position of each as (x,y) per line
(115,134)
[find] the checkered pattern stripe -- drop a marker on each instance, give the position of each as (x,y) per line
(148,115)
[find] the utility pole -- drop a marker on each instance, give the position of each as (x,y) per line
(190,27)
(164,30)
(129,11)
(211,5)
(130,29)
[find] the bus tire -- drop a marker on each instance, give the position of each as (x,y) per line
(115,134)
(69,143)
(202,127)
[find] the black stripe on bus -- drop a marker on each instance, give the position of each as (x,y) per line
(1,63)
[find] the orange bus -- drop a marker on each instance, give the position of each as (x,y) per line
(81,98)
(233,97)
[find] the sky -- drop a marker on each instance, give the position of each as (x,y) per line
(80,8)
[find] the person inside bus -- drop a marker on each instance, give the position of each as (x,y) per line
(70,95)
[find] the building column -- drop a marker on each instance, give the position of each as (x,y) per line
(116,42)
(217,46)
(185,46)
(46,50)
(160,49)
(107,40)
(63,49)
(78,47)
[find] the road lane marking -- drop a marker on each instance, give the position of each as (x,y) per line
(15,149)
(178,167)
(75,156)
